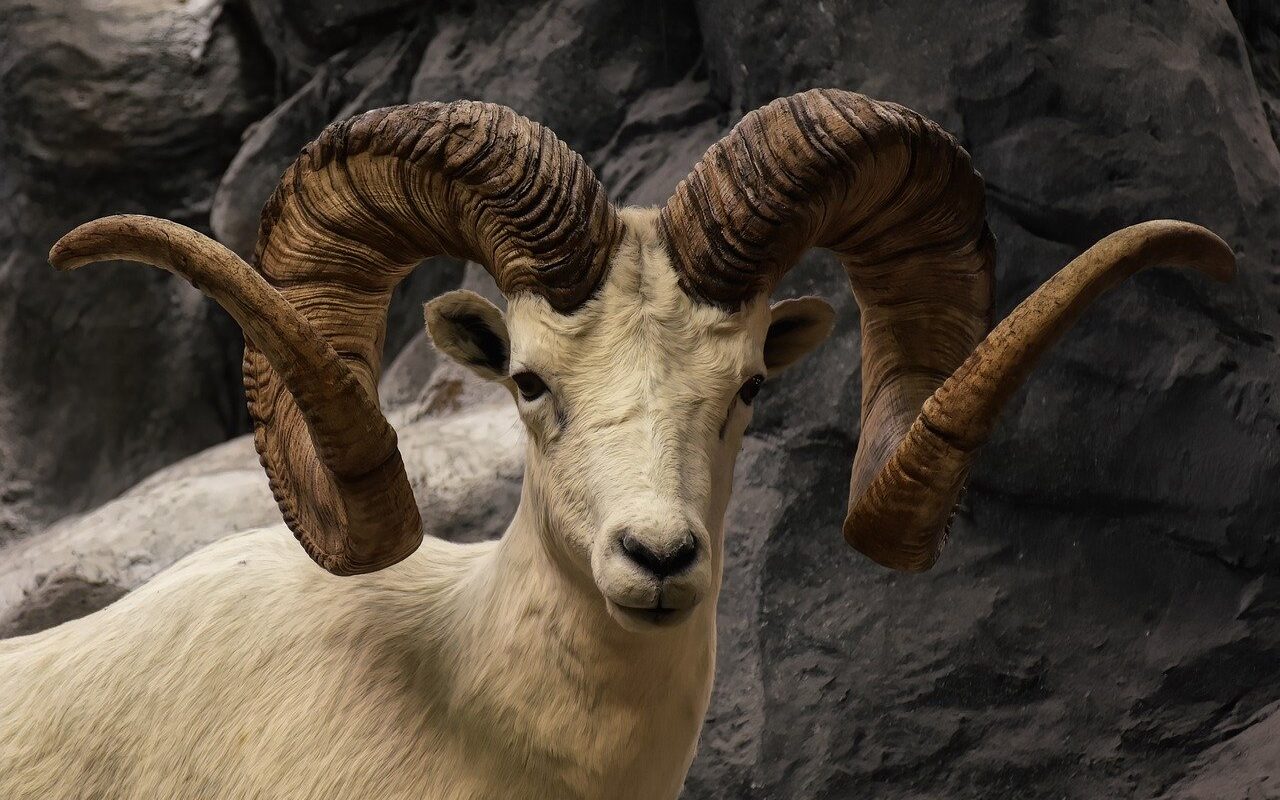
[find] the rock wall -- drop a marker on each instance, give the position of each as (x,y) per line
(1106,620)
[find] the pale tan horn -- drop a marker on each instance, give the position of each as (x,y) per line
(362,206)
(897,199)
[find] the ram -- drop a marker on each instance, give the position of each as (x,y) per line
(572,658)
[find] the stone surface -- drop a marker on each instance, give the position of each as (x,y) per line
(1106,620)
(55,598)
(573,65)
(106,375)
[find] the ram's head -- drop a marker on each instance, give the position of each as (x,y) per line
(634,341)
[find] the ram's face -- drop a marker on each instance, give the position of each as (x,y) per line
(635,406)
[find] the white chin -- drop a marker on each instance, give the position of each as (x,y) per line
(643,620)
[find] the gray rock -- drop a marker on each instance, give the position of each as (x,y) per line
(573,65)
(109,374)
(56,599)
(300,35)
(1260,26)
(1246,766)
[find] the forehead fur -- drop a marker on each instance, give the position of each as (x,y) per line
(639,308)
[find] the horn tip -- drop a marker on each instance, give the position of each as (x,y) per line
(94,240)
(67,253)
(1197,247)
(1217,260)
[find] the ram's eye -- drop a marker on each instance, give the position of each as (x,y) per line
(530,385)
(751,388)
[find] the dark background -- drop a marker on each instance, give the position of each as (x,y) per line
(1106,620)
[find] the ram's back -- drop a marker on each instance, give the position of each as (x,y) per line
(242,671)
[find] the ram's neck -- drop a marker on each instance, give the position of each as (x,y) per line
(558,675)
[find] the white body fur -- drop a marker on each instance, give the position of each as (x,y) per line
(467,671)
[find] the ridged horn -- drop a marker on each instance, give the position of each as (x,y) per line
(362,206)
(898,201)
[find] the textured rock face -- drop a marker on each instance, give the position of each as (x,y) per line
(106,376)
(1105,620)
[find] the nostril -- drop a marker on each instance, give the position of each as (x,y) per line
(661,563)
(684,554)
(640,553)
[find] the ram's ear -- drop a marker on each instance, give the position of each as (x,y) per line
(470,330)
(795,328)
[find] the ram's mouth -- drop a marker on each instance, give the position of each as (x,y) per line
(647,618)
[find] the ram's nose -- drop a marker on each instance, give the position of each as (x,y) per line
(660,556)
(654,565)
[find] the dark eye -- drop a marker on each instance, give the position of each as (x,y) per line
(530,385)
(751,388)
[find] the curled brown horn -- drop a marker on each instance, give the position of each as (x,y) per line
(363,205)
(897,199)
